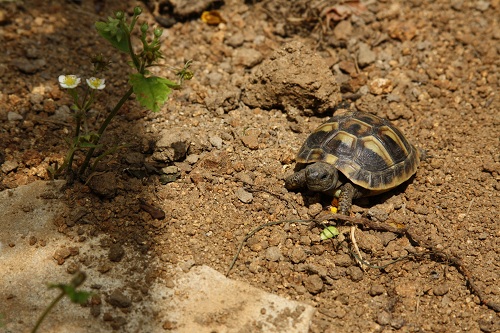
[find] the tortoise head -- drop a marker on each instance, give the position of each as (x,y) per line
(321,177)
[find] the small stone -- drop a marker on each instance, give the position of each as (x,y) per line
(247,57)
(298,255)
(244,196)
(251,141)
(28,66)
(119,300)
(343,30)
(273,253)
(9,166)
(355,273)
(14,116)
(170,170)
(380,86)
(104,185)
(186,265)
(193,158)
(365,55)
(343,260)
(116,252)
(172,145)
(441,289)
(61,254)
(313,284)
(376,289)
(315,209)
(216,141)
(235,40)
(383,318)
(118,322)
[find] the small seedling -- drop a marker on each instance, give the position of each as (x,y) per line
(150,91)
(77,297)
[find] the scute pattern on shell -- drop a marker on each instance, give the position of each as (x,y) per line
(367,149)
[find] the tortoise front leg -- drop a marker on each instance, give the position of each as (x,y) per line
(296,181)
(347,193)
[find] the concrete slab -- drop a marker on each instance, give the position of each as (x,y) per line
(202,299)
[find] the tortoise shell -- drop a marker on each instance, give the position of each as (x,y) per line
(368,150)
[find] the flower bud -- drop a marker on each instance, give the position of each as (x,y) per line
(119,15)
(158,32)
(144,27)
(137,11)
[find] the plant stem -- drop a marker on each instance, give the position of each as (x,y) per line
(47,310)
(77,133)
(103,128)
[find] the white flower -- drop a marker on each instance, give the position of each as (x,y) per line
(96,83)
(69,81)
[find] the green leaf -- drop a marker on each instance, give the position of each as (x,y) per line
(329,232)
(75,296)
(151,92)
(112,32)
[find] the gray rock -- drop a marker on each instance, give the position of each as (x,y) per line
(235,40)
(365,55)
(244,196)
(247,57)
(9,166)
(14,116)
(173,145)
(298,255)
(118,299)
(273,253)
(216,141)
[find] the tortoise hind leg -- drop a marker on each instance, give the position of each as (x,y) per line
(347,193)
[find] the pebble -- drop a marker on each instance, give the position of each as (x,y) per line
(365,55)
(298,255)
(273,253)
(441,289)
(192,158)
(235,40)
(118,299)
(314,284)
(380,86)
(61,254)
(9,166)
(383,318)
(116,252)
(172,145)
(14,116)
(343,260)
(215,141)
(355,273)
(247,57)
(315,209)
(376,289)
(186,265)
(28,66)
(250,141)
(243,195)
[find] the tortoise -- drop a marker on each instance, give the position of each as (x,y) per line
(372,155)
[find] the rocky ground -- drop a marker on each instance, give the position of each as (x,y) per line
(214,159)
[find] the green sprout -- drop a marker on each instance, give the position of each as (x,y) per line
(150,91)
(77,297)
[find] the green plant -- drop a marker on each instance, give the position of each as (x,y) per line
(150,91)
(78,297)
